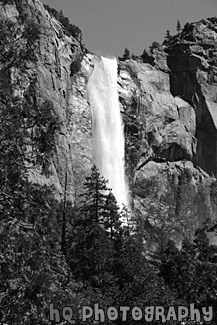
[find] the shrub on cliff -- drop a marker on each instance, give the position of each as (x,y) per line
(18,43)
(154,46)
(7,2)
(72,30)
(75,66)
(167,38)
(126,55)
(147,57)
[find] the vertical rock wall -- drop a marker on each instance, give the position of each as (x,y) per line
(170,190)
(56,55)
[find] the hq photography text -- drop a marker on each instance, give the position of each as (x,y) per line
(149,314)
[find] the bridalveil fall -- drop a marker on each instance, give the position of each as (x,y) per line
(108,135)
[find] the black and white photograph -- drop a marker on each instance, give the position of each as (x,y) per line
(108,162)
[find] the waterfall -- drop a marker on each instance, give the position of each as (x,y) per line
(108,135)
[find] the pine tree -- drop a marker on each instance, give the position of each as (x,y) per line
(89,247)
(93,199)
(155,45)
(192,271)
(111,217)
(70,29)
(178,26)
(167,37)
(126,54)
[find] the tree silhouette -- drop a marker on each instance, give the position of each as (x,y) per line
(126,54)
(154,45)
(167,37)
(70,29)
(192,271)
(111,218)
(93,199)
(178,26)
(89,244)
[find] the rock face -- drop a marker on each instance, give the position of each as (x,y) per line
(168,103)
(56,53)
(167,123)
(192,60)
(170,124)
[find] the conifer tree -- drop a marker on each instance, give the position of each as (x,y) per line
(111,216)
(154,46)
(93,199)
(167,37)
(192,271)
(89,245)
(126,54)
(178,26)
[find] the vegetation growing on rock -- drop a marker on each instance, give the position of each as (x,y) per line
(178,26)
(70,29)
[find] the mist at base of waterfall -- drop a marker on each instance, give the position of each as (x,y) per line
(107,125)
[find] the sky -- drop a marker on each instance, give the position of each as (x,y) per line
(110,26)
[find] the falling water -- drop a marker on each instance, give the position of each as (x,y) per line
(108,136)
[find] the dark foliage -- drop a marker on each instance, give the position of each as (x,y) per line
(126,55)
(7,2)
(108,256)
(147,57)
(18,44)
(192,271)
(75,66)
(70,29)
(168,37)
(178,26)
(155,45)
(33,270)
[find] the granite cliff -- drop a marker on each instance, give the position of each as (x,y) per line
(168,102)
(57,55)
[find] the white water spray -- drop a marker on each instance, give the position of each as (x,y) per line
(108,136)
